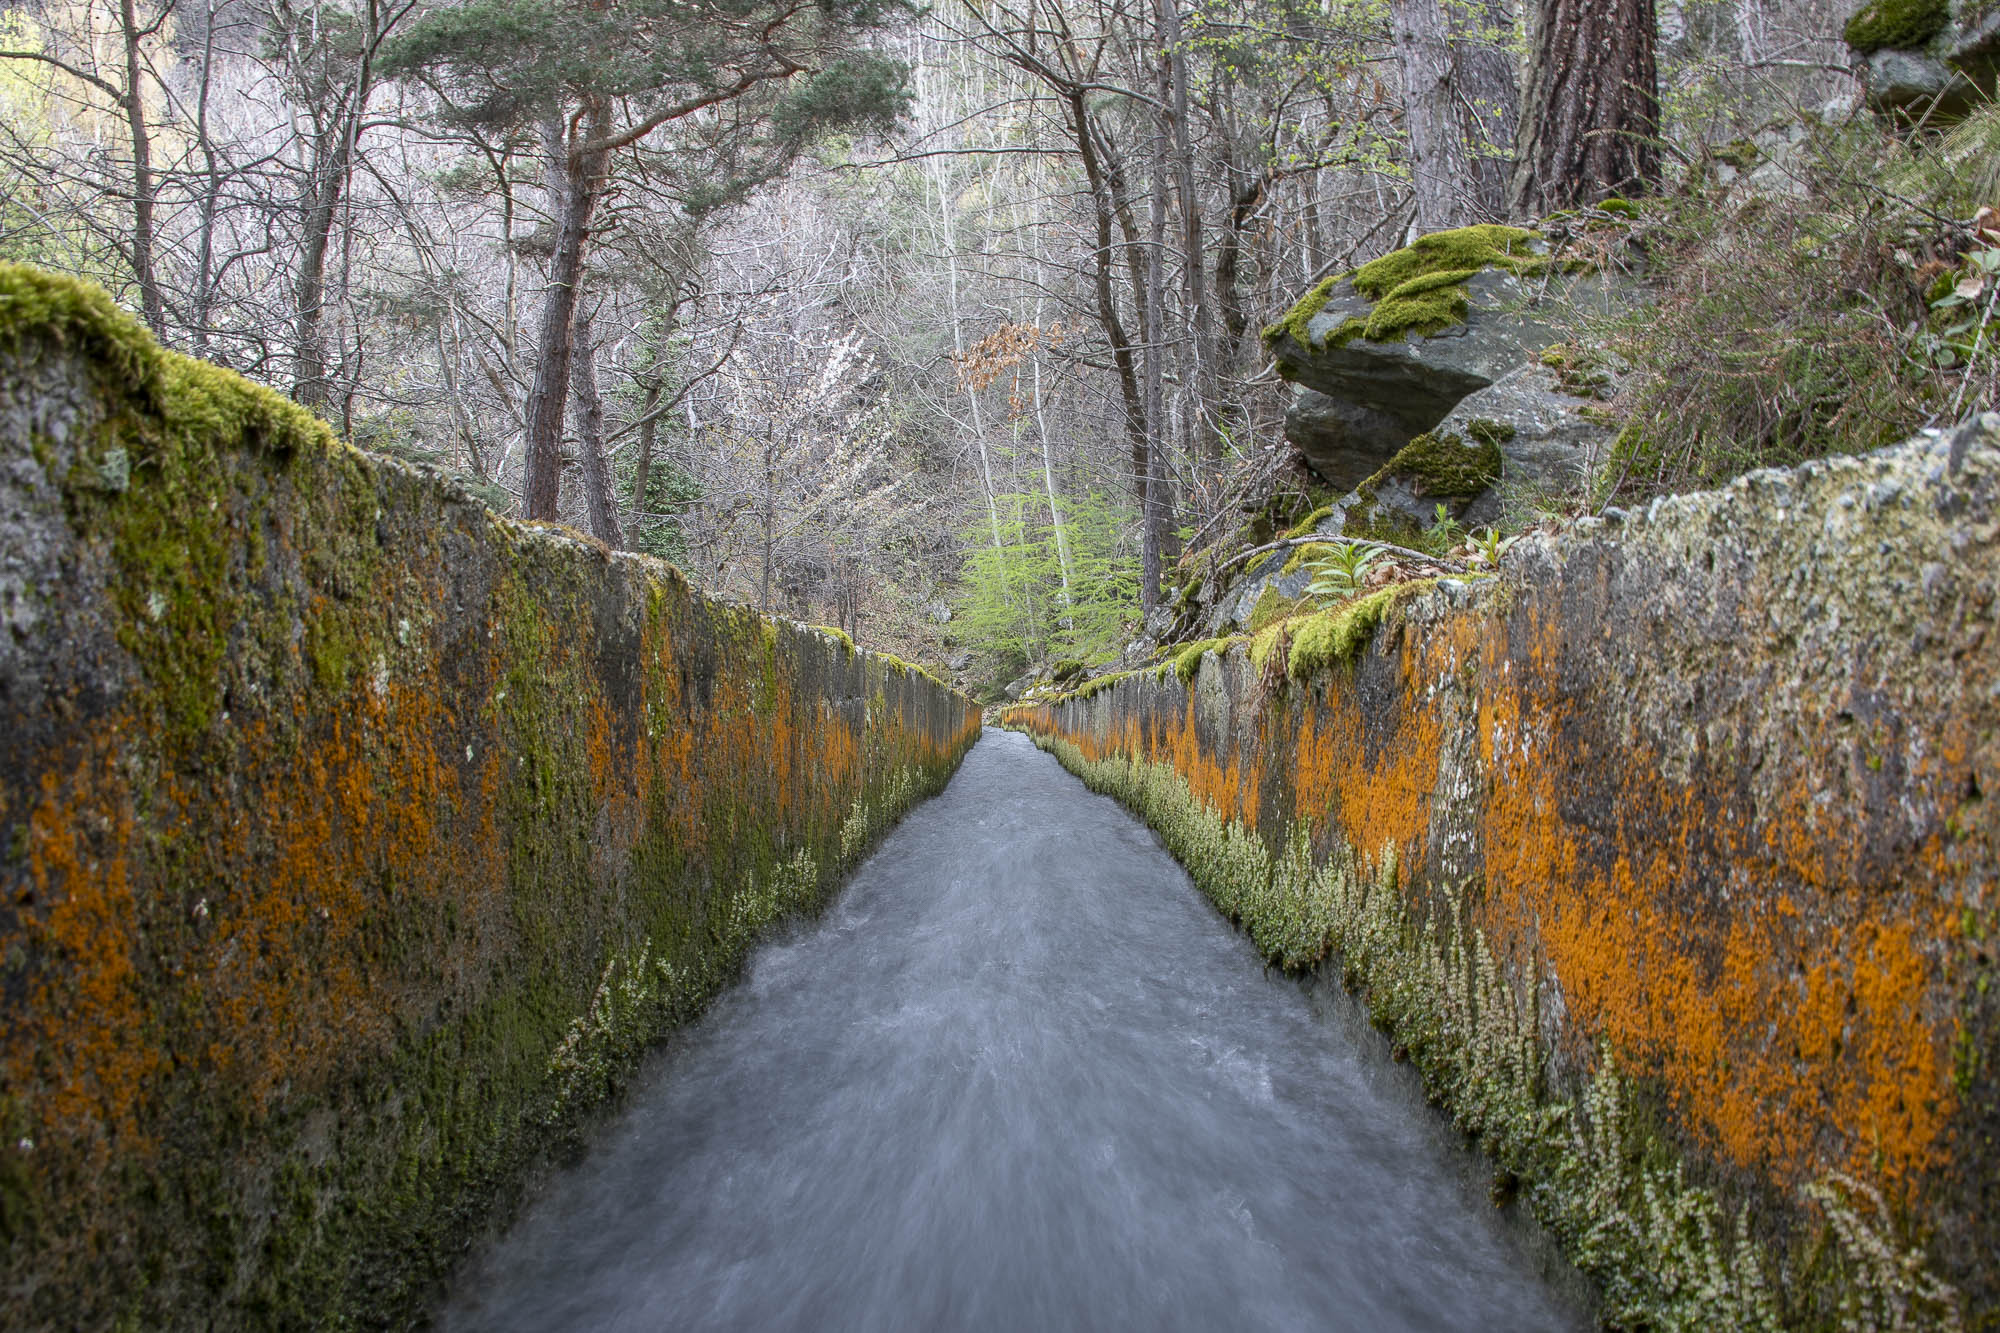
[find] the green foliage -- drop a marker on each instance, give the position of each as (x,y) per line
(1489,546)
(1444,531)
(1894,24)
(791,75)
(1343,571)
(1011,600)
(672,492)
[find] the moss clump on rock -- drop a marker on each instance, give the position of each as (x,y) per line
(1450,466)
(1310,553)
(1896,24)
(1309,522)
(1444,466)
(1297,320)
(1272,607)
(1419,289)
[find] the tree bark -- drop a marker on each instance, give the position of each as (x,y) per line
(1590,118)
(1486,90)
(1439,169)
(597,489)
(1157,513)
(576,178)
(332,164)
(642,466)
(1205,379)
(1123,361)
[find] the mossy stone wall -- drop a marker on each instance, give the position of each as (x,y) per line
(1710,790)
(353,843)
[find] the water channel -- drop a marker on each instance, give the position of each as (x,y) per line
(1020,1075)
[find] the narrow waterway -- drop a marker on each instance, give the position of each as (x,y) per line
(1019,1076)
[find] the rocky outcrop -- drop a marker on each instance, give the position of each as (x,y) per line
(1927,59)
(1428,341)
(1545,434)
(1364,399)
(1674,844)
(353,843)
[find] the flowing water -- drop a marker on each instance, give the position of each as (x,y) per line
(1019,1076)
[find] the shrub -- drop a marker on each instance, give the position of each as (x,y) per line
(1785,329)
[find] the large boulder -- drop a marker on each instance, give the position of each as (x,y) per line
(1384,353)
(1547,434)
(1927,59)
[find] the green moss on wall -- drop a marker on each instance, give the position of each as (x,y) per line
(1335,636)
(355,861)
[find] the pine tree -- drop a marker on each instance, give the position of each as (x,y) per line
(760,80)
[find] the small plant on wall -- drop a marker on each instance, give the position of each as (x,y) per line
(1343,571)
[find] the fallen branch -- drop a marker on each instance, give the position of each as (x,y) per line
(1285,542)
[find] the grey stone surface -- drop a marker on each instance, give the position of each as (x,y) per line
(1345,443)
(1232,612)
(1945,78)
(1551,439)
(1386,394)
(1904,80)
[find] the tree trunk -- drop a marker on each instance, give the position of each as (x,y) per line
(1590,119)
(332,162)
(1158,515)
(575,179)
(597,489)
(1485,85)
(642,466)
(150,304)
(1122,358)
(1204,380)
(1438,166)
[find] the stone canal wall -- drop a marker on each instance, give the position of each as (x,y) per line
(353,842)
(1669,854)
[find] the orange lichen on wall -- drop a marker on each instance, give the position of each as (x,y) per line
(88,1059)
(1376,802)
(1791,1047)
(1788,1043)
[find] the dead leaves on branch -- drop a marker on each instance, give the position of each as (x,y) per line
(1002,353)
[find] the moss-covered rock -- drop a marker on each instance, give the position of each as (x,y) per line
(1384,353)
(1420,289)
(1400,502)
(1900,24)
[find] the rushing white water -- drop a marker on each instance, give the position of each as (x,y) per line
(1020,1076)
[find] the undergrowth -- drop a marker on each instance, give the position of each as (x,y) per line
(1787,329)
